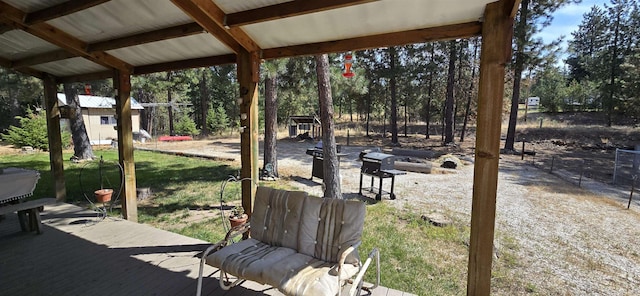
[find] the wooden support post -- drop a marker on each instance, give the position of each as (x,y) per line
(496,51)
(248,77)
(122,86)
(55,138)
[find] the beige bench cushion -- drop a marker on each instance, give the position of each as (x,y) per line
(276,216)
(304,275)
(329,226)
(249,259)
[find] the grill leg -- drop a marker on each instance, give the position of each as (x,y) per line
(379,196)
(360,191)
(393,181)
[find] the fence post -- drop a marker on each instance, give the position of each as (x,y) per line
(581,173)
(533,156)
(633,186)
(615,167)
(347,137)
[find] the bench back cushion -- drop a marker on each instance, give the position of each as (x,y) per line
(317,227)
(329,226)
(275,219)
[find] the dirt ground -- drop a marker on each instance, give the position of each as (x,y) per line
(567,240)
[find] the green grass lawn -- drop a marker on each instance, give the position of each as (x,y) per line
(415,256)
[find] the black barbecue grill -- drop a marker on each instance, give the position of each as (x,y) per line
(317,168)
(381,166)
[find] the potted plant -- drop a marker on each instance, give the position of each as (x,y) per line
(102,195)
(238,216)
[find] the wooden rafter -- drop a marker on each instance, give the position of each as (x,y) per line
(51,34)
(465,30)
(5,28)
(512,7)
(132,40)
(47,57)
(60,10)
(211,17)
(147,37)
(154,68)
(186,64)
(28,71)
(101,75)
(287,9)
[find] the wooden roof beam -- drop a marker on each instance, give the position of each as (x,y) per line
(465,30)
(4,28)
(60,10)
(59,38)
(211,17)
(147,37)
(286,9)
(27,71)
(186,64)
(132,40)
(512,7)
(46,57)
(154,68)
(101,75)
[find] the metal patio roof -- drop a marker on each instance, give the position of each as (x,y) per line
(80,40)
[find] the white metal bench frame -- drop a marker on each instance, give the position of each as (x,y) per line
(356,281)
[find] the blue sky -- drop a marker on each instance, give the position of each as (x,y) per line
(567,19)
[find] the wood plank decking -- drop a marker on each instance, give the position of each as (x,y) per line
(77,254)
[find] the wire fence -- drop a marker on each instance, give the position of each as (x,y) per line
(589,172)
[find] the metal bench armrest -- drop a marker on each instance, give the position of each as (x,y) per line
(233,232)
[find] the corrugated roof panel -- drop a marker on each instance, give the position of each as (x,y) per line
(231,6)
(190,47)
(73,66)
(18,44)
(363,20)
(88,101)
(33,5)
(119,18)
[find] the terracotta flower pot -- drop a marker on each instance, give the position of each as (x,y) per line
(103,195)
(238,220)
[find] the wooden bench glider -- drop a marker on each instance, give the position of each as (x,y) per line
(299,244)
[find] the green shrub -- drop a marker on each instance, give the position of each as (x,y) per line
(186,126)
(32,131)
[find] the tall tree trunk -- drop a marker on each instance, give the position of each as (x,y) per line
(448,107)
(271,121)
(204,103)
(394,99)
(81,144)
(368,109)
(612,79)
(429,93)
(170,107)
(405,117)
(331,165)
(518,67)
(350,110)
(471,85)
(145,114)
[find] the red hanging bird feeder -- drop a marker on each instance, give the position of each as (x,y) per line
(347,66)
(87,89)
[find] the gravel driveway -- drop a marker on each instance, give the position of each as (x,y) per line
(567,240)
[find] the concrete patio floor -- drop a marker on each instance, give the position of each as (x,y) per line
(79,254)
